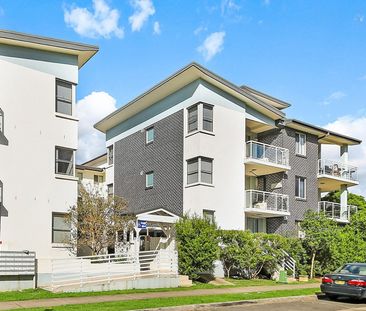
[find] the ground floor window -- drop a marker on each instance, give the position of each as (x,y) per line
(209,215)
(61,229)
(256,225)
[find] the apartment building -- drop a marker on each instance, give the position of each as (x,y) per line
(38,140)
(197,143)
(92,175)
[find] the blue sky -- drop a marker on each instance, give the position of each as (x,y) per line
(309,53)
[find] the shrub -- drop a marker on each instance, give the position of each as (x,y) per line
(198,246)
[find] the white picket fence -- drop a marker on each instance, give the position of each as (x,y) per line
(103,269)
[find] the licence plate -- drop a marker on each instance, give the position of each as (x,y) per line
(338,282)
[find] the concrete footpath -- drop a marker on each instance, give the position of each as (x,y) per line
(53,302)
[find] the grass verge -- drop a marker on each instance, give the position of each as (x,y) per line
(176,301)
(33,294)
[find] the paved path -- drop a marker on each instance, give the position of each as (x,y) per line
(296,304)
(45,303)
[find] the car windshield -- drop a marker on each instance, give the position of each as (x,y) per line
(353,269)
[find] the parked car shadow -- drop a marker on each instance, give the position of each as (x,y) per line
(343,299)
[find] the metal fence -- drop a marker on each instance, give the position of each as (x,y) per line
(333,210)
(337,169)
(80,271)
(17,263)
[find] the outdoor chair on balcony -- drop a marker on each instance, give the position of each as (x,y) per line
(336,170)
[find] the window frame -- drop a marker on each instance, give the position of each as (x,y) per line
(110,186)
(58,230)
(98,179)
(147,141)
(63,100)
(211,107)
(2,118)
(148,186)
(298,146)
(207,213)
(195,106)
(110,154)
(65,161)
(200,171)
(298,184)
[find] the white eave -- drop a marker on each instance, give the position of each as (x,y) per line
(175,82)
(83,51)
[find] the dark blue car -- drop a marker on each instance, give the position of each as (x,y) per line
(349,280)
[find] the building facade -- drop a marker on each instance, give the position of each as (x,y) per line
(196,143)
(38,140)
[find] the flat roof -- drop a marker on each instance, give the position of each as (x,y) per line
(83,51)
(88,168)
(174,82)
(325,136)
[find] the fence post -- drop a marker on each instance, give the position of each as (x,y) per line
(109,269)
(81,273)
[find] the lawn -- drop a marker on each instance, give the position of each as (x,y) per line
(42,294)
(178,301)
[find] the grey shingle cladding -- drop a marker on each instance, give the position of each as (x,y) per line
(300,166)
(133,158)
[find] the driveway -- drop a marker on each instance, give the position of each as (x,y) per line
(311,303)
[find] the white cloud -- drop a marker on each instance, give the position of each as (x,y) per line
(143,10)
(90,110)
(212,45)
(335,96)
(354,127)
(360,18)
(363,77)
(102,21)
(228,6)
(157,29)
(199,29)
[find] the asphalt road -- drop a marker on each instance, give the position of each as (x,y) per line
(299,304)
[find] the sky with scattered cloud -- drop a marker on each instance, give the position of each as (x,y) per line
(313,59)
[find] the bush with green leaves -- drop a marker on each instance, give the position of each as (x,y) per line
(198,246)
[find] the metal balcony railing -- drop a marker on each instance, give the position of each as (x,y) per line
(337,169)
(267,153)
(333,210)
(268,201)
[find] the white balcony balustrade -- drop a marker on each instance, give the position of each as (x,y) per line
(263,159)
(266,204)
(334,211)
(332,174)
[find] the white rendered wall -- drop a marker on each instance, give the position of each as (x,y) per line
(227,148)
(27,165)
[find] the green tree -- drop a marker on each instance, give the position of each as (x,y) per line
(198,245)
(319,235)
(353,199)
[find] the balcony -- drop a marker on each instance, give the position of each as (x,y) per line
(262,159)
(266,204)
(333,174)
(333,210)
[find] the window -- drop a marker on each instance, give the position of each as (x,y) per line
(300,144)
(80,176)
(110,189)
(110,155)
(1,121)
(150,180)
(256,225)
(61,229)
(1,196)
(202,165)
(209,215)
(207,118)
(150,135)
(64,161)
(98,179)
(193,118)
(203,113)
(64,97)
(300,187)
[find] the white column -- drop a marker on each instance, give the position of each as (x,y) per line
(343,190)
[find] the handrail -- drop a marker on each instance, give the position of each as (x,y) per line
(333,210)
(267,200)
(337,169)
(265,152)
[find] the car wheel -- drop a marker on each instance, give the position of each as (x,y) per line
(331,296)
